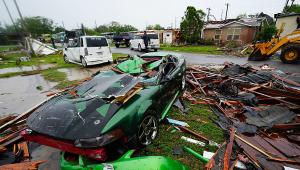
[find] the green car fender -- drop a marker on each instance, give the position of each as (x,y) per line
(125,162)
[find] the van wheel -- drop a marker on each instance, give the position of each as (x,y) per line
(66,59)
(83,62)
(140,48)
(148,128)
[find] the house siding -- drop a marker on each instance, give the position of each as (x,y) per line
(247,34)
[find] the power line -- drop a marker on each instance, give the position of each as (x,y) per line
(12,20)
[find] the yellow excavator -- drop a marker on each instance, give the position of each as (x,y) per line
(289,45)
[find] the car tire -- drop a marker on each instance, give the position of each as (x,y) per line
(155,50)
(66,59)
(148,128)
(117,45)
(140,48)
(130,47)
(83,62)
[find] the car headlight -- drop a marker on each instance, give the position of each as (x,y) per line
(99,141)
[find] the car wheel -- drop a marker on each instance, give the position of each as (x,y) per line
(83,62)
(155,50)
(117,45)
(183,83)
(130,47)
(140,48)
(66,59)
(148,129)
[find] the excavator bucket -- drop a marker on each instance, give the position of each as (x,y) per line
(256,55)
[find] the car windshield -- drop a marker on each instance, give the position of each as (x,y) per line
(153,36)
(96,42)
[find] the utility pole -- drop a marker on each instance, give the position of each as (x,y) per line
(24,28)
(208,14)
(222,15)
(12,20)
(175,22)
(227,4)
(63,24)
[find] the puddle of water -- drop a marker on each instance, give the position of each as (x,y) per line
(19,93)
(26,68)
(82,73)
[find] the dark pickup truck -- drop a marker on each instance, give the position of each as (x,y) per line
(122,38)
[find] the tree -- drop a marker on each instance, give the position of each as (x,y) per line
(37,25)
(192,24)
(115,27)
(155,27)
(58,29)
(267,32)
(240,16)
(292,8)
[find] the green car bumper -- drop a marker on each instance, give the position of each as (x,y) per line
(124,163)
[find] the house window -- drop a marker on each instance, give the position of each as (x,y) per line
(233,34)
(218,34)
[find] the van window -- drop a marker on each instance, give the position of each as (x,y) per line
(96,42)
(152,36)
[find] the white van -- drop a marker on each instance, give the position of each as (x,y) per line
(88,50)
(137,43)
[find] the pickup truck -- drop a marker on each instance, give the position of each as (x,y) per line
(122,38)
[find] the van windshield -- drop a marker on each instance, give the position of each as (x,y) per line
(96,42)
(152,36)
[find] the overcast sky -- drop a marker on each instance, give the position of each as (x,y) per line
(138,13)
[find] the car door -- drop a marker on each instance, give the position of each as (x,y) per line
(168,83)
(97,48)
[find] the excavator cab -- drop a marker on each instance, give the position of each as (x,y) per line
(289,45)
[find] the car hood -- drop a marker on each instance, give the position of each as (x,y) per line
(85,114)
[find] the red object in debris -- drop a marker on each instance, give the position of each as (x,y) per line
(97,153)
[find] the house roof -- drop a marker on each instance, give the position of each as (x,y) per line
(250,22)
(280,15)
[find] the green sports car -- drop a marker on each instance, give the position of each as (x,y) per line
(120,106)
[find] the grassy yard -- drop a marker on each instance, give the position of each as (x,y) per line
(6,47)
(192,49)
(199,120)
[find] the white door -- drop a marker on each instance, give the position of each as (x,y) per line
(97,48)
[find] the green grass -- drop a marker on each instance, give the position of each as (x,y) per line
(198,119)
(6,47)
(192,49)
(54,75)
(118,55)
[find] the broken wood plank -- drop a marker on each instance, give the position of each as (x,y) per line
(21,166)
(228,151)
(185,129)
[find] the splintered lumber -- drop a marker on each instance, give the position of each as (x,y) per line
(22,166)
(228,151)
(193,133)
(2,149)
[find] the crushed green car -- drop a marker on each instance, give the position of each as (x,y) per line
(124,163)
(117,107)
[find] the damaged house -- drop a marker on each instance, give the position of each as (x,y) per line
(242,31)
